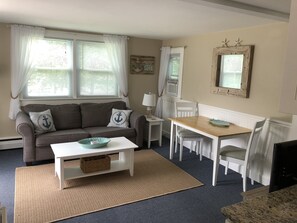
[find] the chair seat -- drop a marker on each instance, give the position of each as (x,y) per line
(233,152)
(187,134)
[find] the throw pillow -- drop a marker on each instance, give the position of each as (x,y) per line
(119,118)
(42,121)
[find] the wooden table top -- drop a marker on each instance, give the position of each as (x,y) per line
(201,123)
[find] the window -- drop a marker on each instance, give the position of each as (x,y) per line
(173,67)
(94,70)
(53,74)
(174,72)
(70,68)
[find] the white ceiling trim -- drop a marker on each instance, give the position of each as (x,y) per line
(240,7)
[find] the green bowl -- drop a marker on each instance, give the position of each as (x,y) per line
(94,143)
(219,123)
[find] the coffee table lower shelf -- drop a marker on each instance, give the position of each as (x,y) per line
(126,162)
(75,171)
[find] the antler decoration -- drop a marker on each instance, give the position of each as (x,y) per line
(225,43)
(238,42)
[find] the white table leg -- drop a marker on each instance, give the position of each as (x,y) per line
(127,157)
(149,136)
(61,172)
(3,214)
(131,162)
(160,139)
(171,141)
(216,145)
(56,166)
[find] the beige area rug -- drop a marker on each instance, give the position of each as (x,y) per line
(38,198)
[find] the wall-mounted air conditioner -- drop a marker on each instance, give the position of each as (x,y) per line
(172,88)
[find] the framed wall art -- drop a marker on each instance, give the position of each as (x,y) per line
(142,64)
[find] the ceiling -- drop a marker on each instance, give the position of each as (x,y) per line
(155,19)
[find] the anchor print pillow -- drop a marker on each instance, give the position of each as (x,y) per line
(119,118)
(42,121)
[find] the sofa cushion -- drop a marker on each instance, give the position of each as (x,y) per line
(70,135)
(111,132)
(119,118)
(66,116)
(42,121)
(94,114)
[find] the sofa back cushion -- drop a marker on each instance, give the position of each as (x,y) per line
(65,116)
(94,114)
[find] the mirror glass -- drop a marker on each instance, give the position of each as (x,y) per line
(231,71)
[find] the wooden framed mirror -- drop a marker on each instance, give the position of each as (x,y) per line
(231,70)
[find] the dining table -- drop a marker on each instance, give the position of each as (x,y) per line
(203,126)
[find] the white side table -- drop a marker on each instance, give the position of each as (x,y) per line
(153,130)
(3,215)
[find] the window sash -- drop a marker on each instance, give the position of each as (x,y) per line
(174,67)
(174,72)
(95,77)
(45,88)
(74,80)
(52,75)
(105,81)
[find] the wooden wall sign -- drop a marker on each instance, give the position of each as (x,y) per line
(142,64)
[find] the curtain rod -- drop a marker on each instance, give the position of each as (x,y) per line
(69,31)
(174,47)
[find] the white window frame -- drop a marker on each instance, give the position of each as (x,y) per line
(169,83)
(73,36)
(24,95)
(78,93)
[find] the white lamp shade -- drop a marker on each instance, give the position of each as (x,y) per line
(149,100)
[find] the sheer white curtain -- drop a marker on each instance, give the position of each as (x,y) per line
(118,52)
(165,55)
(23,53)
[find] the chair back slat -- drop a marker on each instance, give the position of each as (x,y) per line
(254,138)
(185,109)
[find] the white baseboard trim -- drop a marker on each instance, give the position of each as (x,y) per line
(11,144)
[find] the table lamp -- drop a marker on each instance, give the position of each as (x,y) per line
(149,100)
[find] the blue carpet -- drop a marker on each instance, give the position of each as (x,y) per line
(200,204)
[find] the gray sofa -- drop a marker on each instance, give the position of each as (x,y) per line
(74,122)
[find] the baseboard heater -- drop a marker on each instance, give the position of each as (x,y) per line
(11,143)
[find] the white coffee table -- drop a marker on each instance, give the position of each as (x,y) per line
(72,150)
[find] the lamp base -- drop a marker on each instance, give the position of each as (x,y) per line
(149,112)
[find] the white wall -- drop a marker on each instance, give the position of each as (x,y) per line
(270,47)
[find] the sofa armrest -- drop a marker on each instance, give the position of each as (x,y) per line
(137,121)
(25,128)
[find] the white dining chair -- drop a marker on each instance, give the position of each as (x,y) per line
(187,109)
(234,154)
